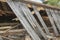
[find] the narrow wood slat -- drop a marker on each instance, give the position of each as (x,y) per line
(57,15)
(33,19)
(52,22)
(41,20)
(29,19)
(27,26)
(55,19)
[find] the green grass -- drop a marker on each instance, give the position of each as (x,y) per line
(53,2)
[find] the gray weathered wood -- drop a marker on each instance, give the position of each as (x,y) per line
(55,19)
(25,23)
(41,20)
(57,15)
(52,22)
(34,20)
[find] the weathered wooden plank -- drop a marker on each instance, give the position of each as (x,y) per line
(30,20)
(57,15)
(41,20)
(52,22)
(55,19)
(34,20)
(23,20)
